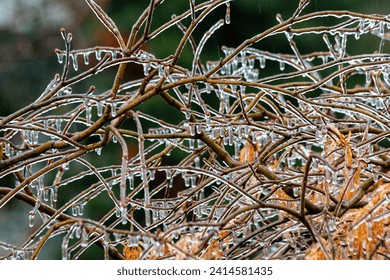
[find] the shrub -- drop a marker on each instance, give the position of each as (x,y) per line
(229,163)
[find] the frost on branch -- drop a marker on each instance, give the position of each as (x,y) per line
(244,163)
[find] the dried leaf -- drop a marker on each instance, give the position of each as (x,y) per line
(132,253)
(213,251)
(248,153)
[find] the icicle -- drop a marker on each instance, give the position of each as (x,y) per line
(230,136)
(186,113)
(282,65)
(84,237)
(60,56)
(86,58)
(88,114)
(54,194)
(146,67)
(98,54)
(130,178)
(168,174)
(197,162)
(100,108)
(75,62)
(198,129)
(227,16)
(295,192)
(191,143)
(207,118)
(368,76)
(192,129)
(117,212)
(58,125)
(113,110)
(186,181)
(74,210)
(124,215)
(381,29)
(152,174)
(80,209)
(242,89)
(193,181)
(35,137)
(262,61)
(46,194)
(147,217)
(31,216)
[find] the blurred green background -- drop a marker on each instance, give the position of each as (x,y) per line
(29,33)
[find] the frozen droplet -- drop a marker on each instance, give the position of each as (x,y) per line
(88,114)
(147,217)
(58,125)
(60,57)
(193,181)
(192,129)
(262,61)
(186,181)
(75,62)
(117,212)
(191,143)
(45,194)
(80,209)
(124,215)
(146,67)
(130,178)
(296,191)
(98,151)
(170,183)
(279,18)
(368,76)
(67,90)
(207,118)
(74,210)
(227,16)
(281,99)
(100,108)
(242,89)
(54,194)
(35,137)
(168,173)
(69,38)
(282,65)
(84,237)
(31,217)
(113,110)
(381,29)
(86,58)
(98,54)
(198,129)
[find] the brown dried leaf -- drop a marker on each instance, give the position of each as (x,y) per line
(213,251)
(248,153)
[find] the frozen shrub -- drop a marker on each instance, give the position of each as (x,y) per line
(239,165)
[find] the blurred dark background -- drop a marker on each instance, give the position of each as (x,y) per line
(29,33)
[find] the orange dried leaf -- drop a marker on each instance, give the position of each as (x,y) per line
(132,253)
